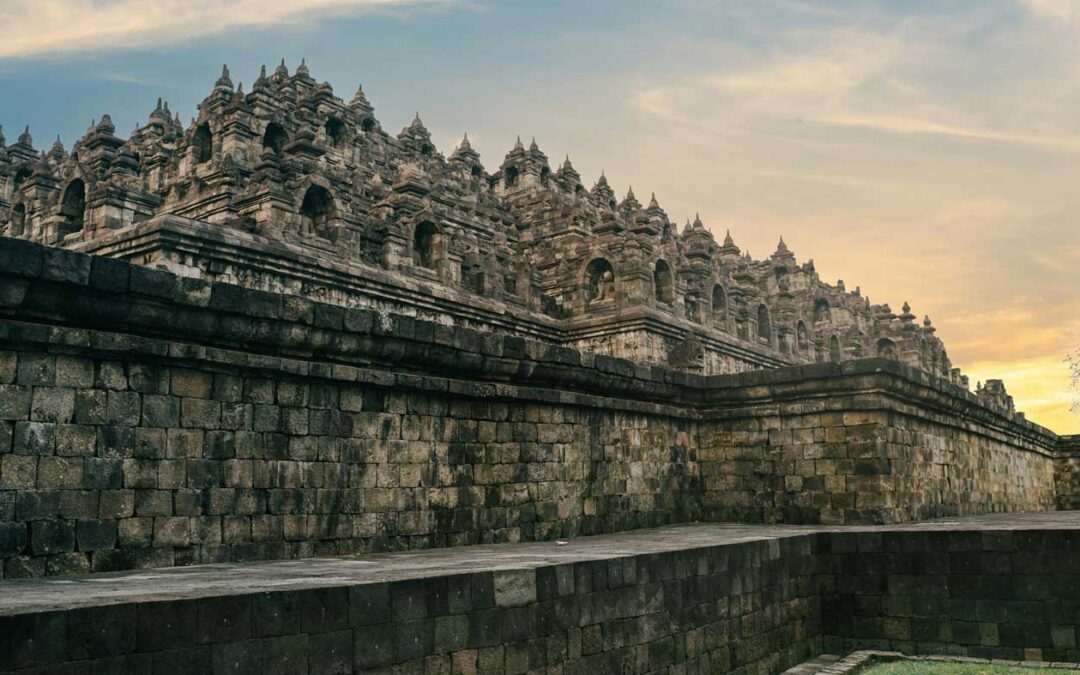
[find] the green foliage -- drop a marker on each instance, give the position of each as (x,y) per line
(1073,360)
(911,667)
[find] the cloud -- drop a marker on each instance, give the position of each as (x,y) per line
(40,27)
(1055,10)
(908,125)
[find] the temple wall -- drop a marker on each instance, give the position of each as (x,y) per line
(748,607)
(684,599)
(865,442)
(1009,593)
(152,420)
(1067,473)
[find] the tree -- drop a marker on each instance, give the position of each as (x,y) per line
(1073,360)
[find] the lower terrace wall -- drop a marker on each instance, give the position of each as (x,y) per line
(745,608)
(1008,593)
(150,420)
(755,604)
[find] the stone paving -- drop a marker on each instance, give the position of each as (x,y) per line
(64,593)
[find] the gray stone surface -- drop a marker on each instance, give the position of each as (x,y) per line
(701,598)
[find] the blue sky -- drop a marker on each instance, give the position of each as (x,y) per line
(925,151)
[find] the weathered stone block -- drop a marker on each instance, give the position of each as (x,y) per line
(49,537)
(95,535)
(14,402)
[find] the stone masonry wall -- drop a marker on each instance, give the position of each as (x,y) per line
(1067,473)
(744,608)
(1007,593)
(121,460)
(149,420)
(863,448)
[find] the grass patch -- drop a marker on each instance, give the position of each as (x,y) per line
(907,667)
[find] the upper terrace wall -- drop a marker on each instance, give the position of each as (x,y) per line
(875,443)
(147,420)
(1067,472)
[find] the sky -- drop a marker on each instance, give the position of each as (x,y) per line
(924,151)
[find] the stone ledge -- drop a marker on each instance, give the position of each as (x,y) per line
(770,597)
(49,285)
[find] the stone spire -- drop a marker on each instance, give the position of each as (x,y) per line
(302,71)
(106,126)
(907,316)
(57,153)
(465,154)
(281,70)
(569,175)
(602,192)
(2,139)
(518,145)
(782,250)
(25,139)
(262,82)
(728,249)
(224,83)
(698,225)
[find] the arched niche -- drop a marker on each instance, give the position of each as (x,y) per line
(886,349)
(21,174)
(663,282)
(821,310)
(510,176)
(335,132)
(73,207)
(836,354)
(719,304)
(802,338)
(275,138)
(316,210)
(17,220)
(764,325)
(599,281)
(428,249)
(203,143)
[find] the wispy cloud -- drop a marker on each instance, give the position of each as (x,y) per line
(895,124)
(37,27)
(1055,10)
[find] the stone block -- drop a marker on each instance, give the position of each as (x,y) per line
(75,440)
(115,504)
(90,406)
(369,604)
(515,588)
(223,619)
(60,472)
(14,402)
(95,535)
(331,653)
(49,537)
(191,383)
(78,504)
(123,408)
(38,370)
(373,646)
(18,472)
(34,438)
(13,539)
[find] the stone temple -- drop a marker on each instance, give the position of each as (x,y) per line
(280,333)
